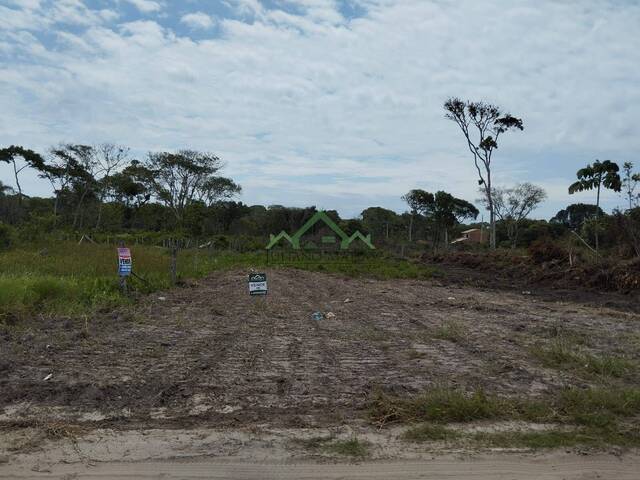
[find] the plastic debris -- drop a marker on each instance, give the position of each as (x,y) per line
(451,298)
(330,315)
(526,292)
(347,300)
(48,377)
(162,298)
(317,316)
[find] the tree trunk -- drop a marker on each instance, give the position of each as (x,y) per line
(78,209)
(99,212)
(492,216)
(15,173)
(597,217)
(410,228)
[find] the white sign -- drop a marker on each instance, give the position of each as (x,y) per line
(257,284)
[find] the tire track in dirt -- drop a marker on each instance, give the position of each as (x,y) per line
(209,353)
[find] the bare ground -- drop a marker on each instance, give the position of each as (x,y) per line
(207,356)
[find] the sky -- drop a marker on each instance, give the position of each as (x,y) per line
(332,103)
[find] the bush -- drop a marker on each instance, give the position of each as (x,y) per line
(546,250)
(7,236)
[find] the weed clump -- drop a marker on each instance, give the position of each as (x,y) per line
(429,432)
(439,405)
(348,448)
(451,330)
(563,353)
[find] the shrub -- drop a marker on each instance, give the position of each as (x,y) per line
(7,236)
(546,250)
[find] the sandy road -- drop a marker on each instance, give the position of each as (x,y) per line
(498,467)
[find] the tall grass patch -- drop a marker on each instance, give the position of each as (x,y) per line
(440,405)
(591,416)
(563,353)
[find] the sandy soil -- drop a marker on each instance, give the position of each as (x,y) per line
(495,466)
(207,359)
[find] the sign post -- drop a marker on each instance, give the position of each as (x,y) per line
(124,267)
(257,284)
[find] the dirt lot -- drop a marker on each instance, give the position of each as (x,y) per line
(208,353)
(207,356)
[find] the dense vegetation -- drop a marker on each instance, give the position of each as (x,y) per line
(102,192)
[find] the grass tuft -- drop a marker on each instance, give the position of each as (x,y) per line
(439,405)
(562,353)
(429,432)
(451,330)
(348,448)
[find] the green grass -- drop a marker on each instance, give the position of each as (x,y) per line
(590,416)
(380,268)
(563,353)
(348,448)
(597,407)
(68,278)
(26,294)
(451,330)
(554,438)
(440,405)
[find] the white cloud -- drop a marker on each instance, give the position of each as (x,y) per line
(307,107)
(197,20)
(146,6)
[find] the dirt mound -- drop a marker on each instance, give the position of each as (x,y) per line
(505,268)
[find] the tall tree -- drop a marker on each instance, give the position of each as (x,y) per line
(380,221)
(60,169)
(131,187)
(574,216)
(512,205)
(20,158)
(630,182)
(442,209)
(482,124)
(417,200)
(108,157)
(600,174)
(186,176)
(448,211)
(80,163)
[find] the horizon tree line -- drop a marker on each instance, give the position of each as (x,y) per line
(187,186)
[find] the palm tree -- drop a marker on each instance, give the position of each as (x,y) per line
(600,174)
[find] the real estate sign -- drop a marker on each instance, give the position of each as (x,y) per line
(124,262)
(257,284)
